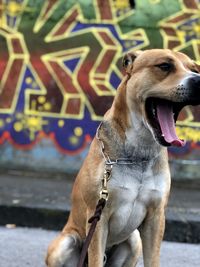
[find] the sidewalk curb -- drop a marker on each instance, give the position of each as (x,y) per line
(33,217)
(186,230)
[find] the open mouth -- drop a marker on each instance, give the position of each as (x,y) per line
(162,115)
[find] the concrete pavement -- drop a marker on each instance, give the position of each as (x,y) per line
(32,200)
(25,247)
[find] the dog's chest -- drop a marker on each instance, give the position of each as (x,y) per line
(132,191)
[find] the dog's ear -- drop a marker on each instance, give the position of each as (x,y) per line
(128,60)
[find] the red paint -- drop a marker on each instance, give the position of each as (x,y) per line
(9,88)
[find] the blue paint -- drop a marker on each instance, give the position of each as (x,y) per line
(80,26)
(71,63)
(114,80)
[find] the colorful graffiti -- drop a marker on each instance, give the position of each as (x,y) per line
(60,63)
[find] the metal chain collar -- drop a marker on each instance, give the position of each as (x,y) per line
(108,161)
(108,166)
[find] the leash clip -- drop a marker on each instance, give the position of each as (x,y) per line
(104,194)
(106,177)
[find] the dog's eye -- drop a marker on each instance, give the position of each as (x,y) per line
(126,62)
(165,66)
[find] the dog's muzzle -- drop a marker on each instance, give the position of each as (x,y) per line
(163,113)
(191,90)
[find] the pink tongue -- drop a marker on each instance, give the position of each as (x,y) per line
(166,120)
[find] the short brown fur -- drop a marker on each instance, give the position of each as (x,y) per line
(138,192)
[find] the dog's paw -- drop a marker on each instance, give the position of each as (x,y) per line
(64,251)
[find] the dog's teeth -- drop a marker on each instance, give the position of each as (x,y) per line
(163,135)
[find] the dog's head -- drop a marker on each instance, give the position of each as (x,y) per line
(161,82)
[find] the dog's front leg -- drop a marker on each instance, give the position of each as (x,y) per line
(152,234)
(98,243)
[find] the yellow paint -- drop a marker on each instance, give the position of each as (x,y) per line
(33,104)
(1,123)
(29,80)
(196,28)
(13,8)
(32,108)
(18,126)
(33,122)
(74,140)
(61,123)
(47,106)
(189,134)
(41,99)
(181,36)
(120,4)
(78,131)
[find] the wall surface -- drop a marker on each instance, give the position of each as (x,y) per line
(60,65)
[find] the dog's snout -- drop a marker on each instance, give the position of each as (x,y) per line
(189,89)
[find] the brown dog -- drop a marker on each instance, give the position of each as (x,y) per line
(132,141)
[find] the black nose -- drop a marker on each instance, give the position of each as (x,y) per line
(194,83)
(193,87)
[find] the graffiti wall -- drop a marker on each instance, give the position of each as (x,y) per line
(60,64)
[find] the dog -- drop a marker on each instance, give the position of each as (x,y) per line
(133,137)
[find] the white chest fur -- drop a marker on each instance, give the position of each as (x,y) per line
(133,189)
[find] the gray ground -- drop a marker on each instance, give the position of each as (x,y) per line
(22,247)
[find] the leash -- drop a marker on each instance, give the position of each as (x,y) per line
(97,214)
(103,196)
(93,220)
